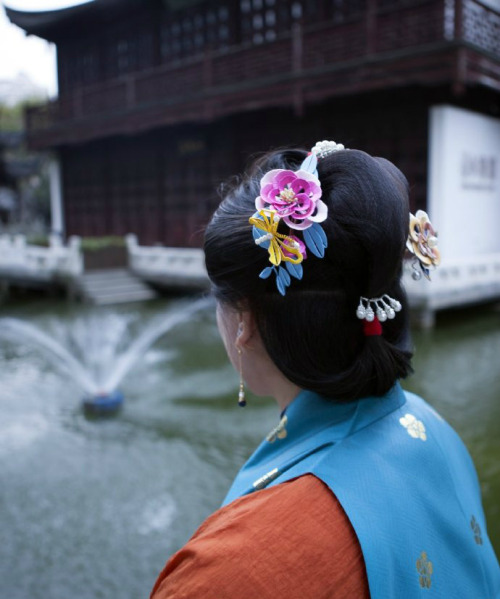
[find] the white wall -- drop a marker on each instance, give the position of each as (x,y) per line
(464,181)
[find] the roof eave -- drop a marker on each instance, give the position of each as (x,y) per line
(46,24)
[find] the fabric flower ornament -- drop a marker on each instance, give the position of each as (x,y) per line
(300,245)
(281,247)
(422,243)
(294,196)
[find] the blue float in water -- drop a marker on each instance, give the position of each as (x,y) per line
(103,404)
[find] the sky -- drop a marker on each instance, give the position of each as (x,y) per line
(29,54)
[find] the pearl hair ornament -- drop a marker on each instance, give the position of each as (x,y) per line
(263,238)
(382,308)
(325,147)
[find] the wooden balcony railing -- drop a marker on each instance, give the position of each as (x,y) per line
(390,44)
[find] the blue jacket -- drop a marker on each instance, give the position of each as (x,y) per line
(405,481)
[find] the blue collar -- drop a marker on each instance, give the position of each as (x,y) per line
(310,423)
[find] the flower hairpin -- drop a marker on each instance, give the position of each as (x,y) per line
(294,199)
(422,243)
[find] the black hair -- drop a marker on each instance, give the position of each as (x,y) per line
(312,334)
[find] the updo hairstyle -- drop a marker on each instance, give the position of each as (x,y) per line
(312,333)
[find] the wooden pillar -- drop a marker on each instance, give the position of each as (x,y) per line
(4,291)
(424,319)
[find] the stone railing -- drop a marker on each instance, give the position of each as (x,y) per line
(167,266)
(454,283)
(20,260)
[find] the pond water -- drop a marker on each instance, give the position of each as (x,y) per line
(93,508)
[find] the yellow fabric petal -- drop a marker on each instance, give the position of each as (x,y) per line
(288,245)
(275,255)
(257,222)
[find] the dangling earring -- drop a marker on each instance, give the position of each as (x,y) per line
(241,395)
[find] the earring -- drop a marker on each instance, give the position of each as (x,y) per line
(241,395)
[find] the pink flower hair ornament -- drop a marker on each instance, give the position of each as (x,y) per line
(294,198)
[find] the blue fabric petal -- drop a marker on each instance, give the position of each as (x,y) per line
(315,239)
(266,272)
(295,270)
(426,271)
(309,165)
(284,276)
(280,286)
(318,229)
(257,233)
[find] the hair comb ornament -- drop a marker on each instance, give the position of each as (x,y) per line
(422,243)
(294,199)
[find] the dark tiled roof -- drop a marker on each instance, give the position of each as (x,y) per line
(51,24)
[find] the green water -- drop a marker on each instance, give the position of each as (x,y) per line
(93,509)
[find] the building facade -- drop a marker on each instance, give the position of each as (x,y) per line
(162,100)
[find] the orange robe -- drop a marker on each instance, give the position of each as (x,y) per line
(292,540)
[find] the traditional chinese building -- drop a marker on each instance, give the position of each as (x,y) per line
(160,101)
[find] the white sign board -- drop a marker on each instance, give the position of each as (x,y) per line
(464,181)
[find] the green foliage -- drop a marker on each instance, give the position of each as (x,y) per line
(93,244)
(38,239)
(89,244)
(12,117)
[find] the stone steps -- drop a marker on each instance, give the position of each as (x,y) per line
(113,286)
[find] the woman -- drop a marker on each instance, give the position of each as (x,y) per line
(361,490)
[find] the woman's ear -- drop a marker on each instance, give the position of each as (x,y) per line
(246,328)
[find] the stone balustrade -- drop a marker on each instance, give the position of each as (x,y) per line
(167,266)
(19,260)
(454,284)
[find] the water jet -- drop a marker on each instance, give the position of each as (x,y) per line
(98,366)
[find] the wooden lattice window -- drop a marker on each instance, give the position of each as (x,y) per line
(264,20)
(342,10)
(79,64)
(481,25)
(192,32)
